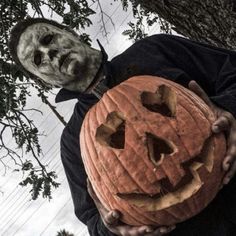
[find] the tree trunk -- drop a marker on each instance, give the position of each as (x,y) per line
(55,112)
(208,21)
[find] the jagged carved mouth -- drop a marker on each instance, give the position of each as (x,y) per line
(186,188)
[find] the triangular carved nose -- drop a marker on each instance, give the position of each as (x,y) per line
(158,148)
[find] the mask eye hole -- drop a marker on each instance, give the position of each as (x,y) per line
(46,40)
(37,58)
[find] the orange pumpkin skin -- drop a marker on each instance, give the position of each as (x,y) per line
(149,152)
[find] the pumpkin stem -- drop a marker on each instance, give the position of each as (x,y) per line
(99,90)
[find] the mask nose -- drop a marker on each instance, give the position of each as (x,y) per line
(52,53)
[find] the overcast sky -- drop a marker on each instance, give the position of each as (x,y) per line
(19,215)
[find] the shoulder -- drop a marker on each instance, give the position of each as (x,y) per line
(152,43)
(158,38)
(70,134)
(175,41)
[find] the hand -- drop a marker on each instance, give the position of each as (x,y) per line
(226,122)
(111,220)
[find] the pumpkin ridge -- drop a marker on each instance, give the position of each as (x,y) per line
(138,184)
(85,160)
(215,151)
(173,211)
(145,163)
(100,159)
(195,100)
(194,118)
(191,205)
(181,104)
(90,160)
(134,210)
(191,99)
(104,186)
(168,120)
(192,201)
(181,141)
(133,106)
(195,122)
(112,150)
(170,125)
(98,120)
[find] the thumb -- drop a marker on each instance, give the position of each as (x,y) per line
(112,217)
(196,88)
(221,124)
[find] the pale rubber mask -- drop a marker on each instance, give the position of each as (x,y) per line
(57,57)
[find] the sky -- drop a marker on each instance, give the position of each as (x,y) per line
(20,216)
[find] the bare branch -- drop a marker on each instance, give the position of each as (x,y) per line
(55,112)
(33,109)
(102,14)
(37,8)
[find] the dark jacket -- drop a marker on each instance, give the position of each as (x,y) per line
(176,59)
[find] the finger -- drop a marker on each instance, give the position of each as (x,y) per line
(229,175)
(221,124)
(112,218)
(140,231)
(194,87)
(126,230)
(162,231)
(231,152)
(145,230)
(230,157)
(227,162)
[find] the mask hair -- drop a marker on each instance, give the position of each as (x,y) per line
(15,34)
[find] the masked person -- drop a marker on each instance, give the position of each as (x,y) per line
(51,52)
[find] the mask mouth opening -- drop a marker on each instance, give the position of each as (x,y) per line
(63,59)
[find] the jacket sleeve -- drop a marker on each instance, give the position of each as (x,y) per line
(85,208)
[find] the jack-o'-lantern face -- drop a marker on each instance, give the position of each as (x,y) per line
(153,148)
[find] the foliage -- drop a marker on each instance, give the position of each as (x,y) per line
(41,182)
(15,88)
(142,19)
(64,233)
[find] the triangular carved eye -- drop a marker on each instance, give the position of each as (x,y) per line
(158,148)
(112,133)
(163,101)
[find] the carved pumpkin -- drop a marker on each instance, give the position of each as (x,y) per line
(149,152)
